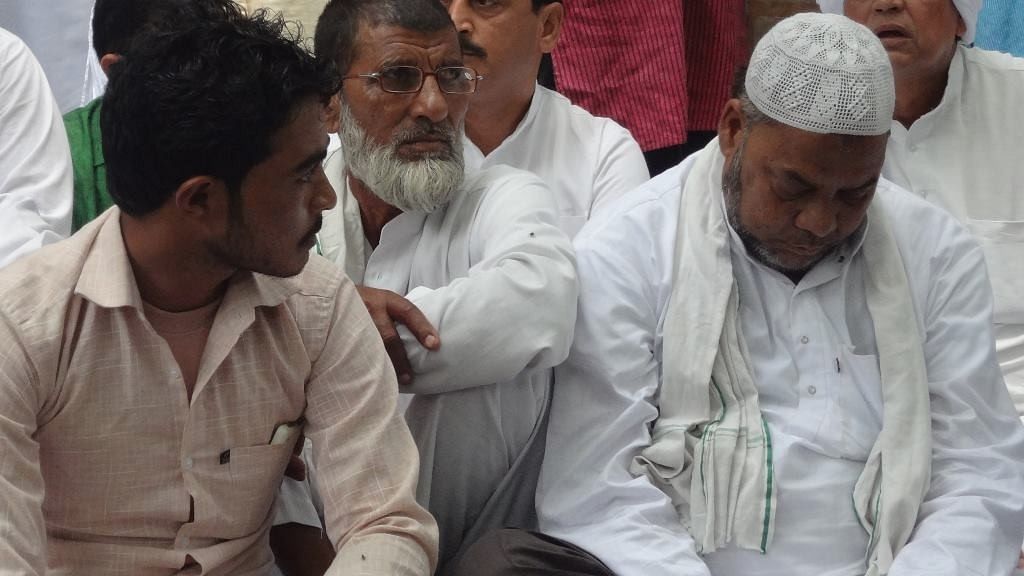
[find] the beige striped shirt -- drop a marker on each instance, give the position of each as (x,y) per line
(138,481)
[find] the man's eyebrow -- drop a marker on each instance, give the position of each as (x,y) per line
(873,181)
(398,61)
(796,178)
(310,161)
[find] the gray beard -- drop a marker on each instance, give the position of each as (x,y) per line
(422,185)
(732,187)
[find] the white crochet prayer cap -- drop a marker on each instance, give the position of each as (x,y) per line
(969,10)
(823,73)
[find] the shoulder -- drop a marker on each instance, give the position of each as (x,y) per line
(320,279)
(11,47)
(503,184)
(925,233)
(650,210)
(38,287)
(994,62)
(79,122)
(582,122)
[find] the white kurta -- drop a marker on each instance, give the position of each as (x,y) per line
(587,161)
(35,161)
(496,277)
(813,356)
(59,36)
(967,155)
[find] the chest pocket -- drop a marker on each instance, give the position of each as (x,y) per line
(860,403)
(1003,245)
(241,492)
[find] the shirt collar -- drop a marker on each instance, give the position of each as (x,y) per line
(108,281)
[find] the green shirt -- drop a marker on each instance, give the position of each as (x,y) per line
(91,197)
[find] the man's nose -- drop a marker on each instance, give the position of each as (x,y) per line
(325,198)
(461,15)
(818,218)
(430,103)
(888,5)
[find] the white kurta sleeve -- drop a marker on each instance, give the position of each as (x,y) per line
(621,166)
(605,401)
(36,182)
(972,520)
(515,309)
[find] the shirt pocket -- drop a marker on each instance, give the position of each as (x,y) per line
(256,473)
(860,402)
(1003,245)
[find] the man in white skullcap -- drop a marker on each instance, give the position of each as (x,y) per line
(783,364)
(956,141)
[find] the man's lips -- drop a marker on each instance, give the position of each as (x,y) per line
(427,144)
(310,238)
(891,31)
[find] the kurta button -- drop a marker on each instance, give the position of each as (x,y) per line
(804,339)
(186,463)
(812,390)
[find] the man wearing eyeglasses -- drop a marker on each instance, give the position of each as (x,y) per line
(479,253)
(587,161)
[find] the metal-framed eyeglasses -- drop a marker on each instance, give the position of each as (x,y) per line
(409,79)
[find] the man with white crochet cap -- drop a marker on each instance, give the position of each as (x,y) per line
(783,364)
(956,141)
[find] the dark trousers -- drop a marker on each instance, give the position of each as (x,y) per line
(527,553)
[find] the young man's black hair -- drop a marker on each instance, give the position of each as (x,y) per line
(202,100)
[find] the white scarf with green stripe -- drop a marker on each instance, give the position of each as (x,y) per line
(711,449)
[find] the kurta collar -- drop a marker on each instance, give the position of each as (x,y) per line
(536,103)
(950,101)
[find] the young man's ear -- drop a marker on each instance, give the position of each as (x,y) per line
(204,200)
(107,61)
(551,17)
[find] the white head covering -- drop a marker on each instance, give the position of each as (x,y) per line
(823,73)
(969,10)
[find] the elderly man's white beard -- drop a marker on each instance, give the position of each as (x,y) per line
(421,185)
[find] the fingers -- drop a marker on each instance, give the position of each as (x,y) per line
(387,308)
(405,312)
(396,351)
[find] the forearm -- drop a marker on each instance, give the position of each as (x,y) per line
(366,462)
(494,325)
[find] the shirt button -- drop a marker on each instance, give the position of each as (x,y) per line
(804,339)
(174,374)
(812,390)
(186,463)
